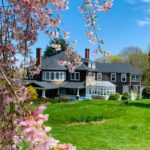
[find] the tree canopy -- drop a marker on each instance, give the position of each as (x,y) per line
(50,50)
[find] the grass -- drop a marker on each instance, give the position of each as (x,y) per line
(102,125)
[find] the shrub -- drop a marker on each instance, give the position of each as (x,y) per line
(65,100)
(126,96)
(114,96)
(55,101)
(32,92)
(146,92)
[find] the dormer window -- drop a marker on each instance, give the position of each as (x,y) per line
(93,65)
(113,76)
(99,76)
(90,64)
(75,76)
(123,77)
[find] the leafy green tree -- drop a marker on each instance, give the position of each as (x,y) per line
(50,51)
(137,58)
(115,59)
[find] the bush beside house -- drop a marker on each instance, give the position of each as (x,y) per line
(146,92)
(126,96)
(114,96)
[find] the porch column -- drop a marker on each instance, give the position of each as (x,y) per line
(43,93)
(78,93)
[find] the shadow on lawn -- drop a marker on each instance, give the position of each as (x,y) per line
(142,105)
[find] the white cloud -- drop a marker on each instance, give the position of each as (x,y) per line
(144,22)
(137,1)
(146,1)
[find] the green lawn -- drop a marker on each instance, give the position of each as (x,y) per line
(102,125)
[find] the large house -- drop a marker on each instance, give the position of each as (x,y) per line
(89,79)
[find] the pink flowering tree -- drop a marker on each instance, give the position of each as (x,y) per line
(20,21)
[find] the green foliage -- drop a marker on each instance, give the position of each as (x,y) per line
(115,59)
(126,96)
(53,101)
(50,51)
(146,92)
(32,92)
(114,96)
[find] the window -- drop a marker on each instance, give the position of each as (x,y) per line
(75,76)
(123,77)
(135,78)
(99,76)
(57,75)
(93,65)
(90,64)
(50,75)
(101,91)
(113,77)
(47,76)
(61,75)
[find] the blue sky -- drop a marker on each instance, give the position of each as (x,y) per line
(126,24)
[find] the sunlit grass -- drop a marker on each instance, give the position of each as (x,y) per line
(127,124)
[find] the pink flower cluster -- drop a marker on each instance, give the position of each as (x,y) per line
(35,132)
(89,10)
(20,22)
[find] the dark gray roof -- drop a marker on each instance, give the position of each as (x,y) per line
(116,68)
(73,85)
(84,67)
(52,64)
(42,84)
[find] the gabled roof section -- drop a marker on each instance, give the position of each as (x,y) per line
(42,84)
(117,68)
(52,64)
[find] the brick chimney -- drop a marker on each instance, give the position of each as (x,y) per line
(87,53)
(38,56)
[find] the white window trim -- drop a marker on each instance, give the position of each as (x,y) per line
(125,77)
(99,75)
(55,72)
(112,75)
(93,65)
(90,64)
(75,76)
